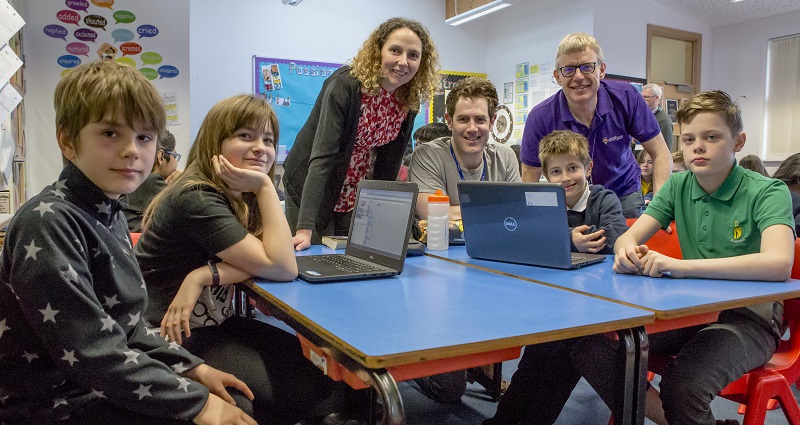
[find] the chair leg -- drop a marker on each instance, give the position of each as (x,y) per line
(768,387)
(771,405)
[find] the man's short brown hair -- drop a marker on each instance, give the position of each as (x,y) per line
(473,88)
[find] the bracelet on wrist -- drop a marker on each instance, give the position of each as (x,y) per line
(212,265)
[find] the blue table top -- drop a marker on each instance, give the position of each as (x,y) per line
(439,309)
(668,298)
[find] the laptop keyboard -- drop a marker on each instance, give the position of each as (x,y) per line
(348,264)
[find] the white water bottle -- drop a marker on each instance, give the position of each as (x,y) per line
(438,223)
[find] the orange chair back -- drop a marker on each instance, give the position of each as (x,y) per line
(663,242)
(796,264)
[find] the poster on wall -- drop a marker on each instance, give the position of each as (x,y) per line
(636,82)
(82,31)
(291,86)
(437,106)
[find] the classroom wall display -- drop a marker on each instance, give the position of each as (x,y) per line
(148,35)
(437,106)
(292,87)
(636,82)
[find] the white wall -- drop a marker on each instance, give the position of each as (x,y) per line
(222,44)
(739,55)
(530,31)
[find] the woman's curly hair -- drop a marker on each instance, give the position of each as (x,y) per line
(366,65)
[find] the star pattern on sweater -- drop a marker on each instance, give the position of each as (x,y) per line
(69,357)
(49,314)
(57,192)
(143,391)
(110,301)
(108,324)
(103,208)
(60,266)
(31,250)
(134,318)
(44,207)
(131,356)
(179,368)
(30,357)
(3,327)
(70,274)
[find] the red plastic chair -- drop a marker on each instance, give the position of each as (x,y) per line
(663,242)
(763,386)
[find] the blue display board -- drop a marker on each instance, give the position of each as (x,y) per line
(292,87)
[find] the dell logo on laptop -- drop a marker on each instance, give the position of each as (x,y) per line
(510,224)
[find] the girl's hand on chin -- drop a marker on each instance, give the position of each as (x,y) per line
(239,179)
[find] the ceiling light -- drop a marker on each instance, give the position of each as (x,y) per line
(477,12)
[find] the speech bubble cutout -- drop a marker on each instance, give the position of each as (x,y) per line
(68,16)
(124,17)
(69,61)
(56,31)
(126,61)
(85,34)
(78,48)
(95,21)
(151,58)
(122,34)
(77,4)
(149,73)
(65,72)
(167,71)
(147,31)
(130,48)
(103,3)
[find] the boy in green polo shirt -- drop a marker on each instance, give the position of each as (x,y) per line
(733,224)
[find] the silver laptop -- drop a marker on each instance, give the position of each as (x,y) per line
(378,238)
(522,223)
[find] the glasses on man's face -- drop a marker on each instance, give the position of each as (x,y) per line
(649,97)
(570,70)
(176,155)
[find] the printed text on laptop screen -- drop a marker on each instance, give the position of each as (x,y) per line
(380,221)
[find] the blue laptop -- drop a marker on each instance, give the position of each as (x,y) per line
(522,223)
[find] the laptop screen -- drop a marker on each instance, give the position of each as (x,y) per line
(380,221)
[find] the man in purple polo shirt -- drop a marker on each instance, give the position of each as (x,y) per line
(607,113)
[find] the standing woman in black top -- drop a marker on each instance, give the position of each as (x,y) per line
(358,128)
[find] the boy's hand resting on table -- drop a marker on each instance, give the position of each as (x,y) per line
(590,242)
(638,259)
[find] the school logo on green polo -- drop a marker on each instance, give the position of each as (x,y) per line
(737,232)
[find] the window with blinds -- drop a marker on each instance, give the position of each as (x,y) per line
(782,112)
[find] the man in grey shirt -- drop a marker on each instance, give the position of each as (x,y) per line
(652,96)
(467,155)
(443,162)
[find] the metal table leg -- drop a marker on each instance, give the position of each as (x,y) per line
(386,387)
(632,377)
